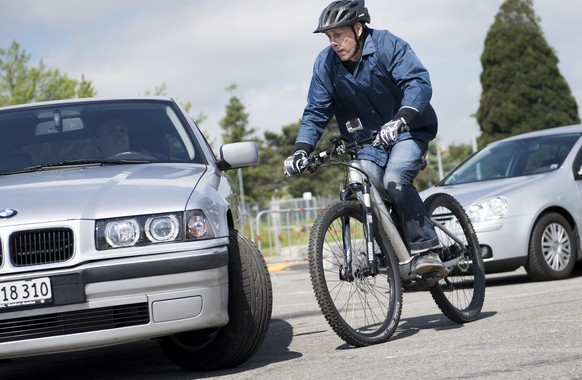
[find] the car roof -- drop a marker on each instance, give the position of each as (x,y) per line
(577,128)
(83,100)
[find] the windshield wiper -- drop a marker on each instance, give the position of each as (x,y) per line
(72,163)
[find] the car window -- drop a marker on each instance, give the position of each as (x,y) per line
(514,158)
(145,131)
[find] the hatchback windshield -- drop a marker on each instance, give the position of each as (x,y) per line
(514,158)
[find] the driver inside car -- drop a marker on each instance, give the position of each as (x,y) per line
(113,137)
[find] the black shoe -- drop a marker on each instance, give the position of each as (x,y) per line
(429,264)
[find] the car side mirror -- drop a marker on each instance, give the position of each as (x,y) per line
(238,155)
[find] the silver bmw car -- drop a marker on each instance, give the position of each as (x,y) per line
(118,223)
(523,195)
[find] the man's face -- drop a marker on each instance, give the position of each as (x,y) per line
(343,41)
(113,138)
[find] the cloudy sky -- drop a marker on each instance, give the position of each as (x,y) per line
(197,48)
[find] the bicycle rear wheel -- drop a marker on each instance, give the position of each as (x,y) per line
(362,309)
(461,295)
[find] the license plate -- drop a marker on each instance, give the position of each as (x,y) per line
(25,293)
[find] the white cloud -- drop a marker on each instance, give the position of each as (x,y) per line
(198,48)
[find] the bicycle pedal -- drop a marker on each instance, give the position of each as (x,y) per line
(434,275)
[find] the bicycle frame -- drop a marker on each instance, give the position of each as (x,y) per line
(372,198)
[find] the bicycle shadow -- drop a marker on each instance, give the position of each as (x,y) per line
(411,326)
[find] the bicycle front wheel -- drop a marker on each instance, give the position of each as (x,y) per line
(461,295)
(362,309)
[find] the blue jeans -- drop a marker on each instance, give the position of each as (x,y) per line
(404,163)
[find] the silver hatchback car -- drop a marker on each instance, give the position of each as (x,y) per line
(523,195)
(118,223)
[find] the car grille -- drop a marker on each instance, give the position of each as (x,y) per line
(28,248)
(74,322)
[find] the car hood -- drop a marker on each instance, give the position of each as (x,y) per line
(98,192)
(468,193)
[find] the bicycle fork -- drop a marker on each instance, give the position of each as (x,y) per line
(350,273)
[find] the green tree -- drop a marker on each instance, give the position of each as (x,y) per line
(450,157)
(235,123)
(162,90)
(522,88)
(20,83)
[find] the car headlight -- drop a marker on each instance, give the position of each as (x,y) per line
(162,228)
(197,226)
(152,229)
(122,233)
(488,209)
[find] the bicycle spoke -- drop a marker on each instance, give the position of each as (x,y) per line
(460,296)
(360,307)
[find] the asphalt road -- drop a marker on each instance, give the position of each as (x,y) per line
(527,330)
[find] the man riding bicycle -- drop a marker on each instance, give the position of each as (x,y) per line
(375,76)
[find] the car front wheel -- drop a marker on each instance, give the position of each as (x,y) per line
(552,248)
(250,302)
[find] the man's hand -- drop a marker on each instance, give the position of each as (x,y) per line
(389,132)
(295,163)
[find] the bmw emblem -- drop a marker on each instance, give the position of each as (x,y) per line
(8,213)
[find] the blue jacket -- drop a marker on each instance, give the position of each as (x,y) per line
(388,77)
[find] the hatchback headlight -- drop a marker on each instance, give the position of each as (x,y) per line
(488,209)
(152,229)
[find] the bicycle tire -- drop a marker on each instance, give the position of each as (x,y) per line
(461,295)
(366,310)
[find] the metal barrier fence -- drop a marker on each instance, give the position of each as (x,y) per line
(287,231)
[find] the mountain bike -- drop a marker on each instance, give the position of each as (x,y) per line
(360,264)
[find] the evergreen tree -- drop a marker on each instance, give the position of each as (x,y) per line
(20,83)
(235,126)
(235,123)
(522,88)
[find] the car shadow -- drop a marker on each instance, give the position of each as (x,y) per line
(275,348)
(520,277)
(144,360)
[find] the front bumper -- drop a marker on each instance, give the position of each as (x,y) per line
(506,241)
(121,300)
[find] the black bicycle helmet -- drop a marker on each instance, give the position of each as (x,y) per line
(342,13)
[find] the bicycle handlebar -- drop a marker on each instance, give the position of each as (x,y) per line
(339,146)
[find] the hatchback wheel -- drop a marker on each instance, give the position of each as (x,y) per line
(552,249)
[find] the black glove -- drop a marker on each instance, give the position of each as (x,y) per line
(295,163)
(408,114)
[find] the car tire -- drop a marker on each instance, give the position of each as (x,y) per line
(552,249)
(249,308)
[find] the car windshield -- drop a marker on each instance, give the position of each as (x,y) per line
(514,158)
(94,133)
